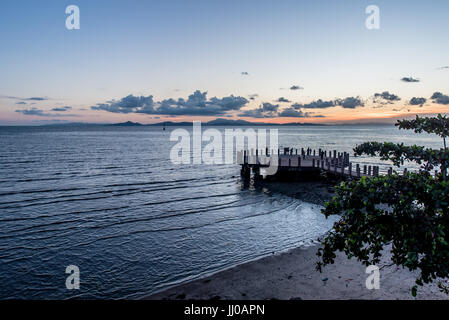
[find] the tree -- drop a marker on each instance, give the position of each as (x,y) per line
(409,210)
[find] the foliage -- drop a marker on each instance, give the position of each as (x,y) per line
(410,210)
(438,125)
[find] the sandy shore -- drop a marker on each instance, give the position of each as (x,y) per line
(292,275)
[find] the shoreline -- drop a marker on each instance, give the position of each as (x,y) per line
(291,274)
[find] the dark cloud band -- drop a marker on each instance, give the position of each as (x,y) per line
(196,104)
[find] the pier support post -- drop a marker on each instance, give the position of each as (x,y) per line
(257,175)
(357,168)
(245,172)
(364,169)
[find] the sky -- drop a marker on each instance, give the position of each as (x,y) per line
(268,61)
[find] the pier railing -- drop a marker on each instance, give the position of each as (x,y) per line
(306,159)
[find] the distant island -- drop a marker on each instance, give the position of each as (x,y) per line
(228,122)
(127,124)
(216,122)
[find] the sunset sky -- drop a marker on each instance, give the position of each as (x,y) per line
(270,61)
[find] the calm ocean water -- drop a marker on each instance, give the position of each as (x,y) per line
(108,200)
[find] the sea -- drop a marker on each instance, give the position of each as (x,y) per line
(110,201)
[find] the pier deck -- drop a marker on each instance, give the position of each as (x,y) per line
(295,160)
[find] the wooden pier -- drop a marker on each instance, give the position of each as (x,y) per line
(292,161)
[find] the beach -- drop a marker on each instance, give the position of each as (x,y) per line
(292,275)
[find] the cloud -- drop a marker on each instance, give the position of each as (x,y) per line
(282,99)
(266,110)
(21,102)
(409,79)
(444,67)
(244,73)
(33,112)
(349,102)
(255,113)
(385,97)
(35,99)
(128,104)
(318,104)
(266,106)
(42,113)
(295,87)
(415,101)
(293,113)
(440,98)
(196,104)
(229,103)
(62,109)
(25,99)
(287,113)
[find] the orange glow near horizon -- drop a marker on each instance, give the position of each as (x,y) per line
(336,115)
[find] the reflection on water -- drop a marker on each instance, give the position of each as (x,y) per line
(108,200)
